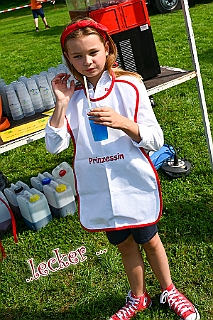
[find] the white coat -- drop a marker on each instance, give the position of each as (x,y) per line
(117,184)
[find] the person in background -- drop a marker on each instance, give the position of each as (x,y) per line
(117,185)
(37,10)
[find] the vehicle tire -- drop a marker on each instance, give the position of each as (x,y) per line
(166,6)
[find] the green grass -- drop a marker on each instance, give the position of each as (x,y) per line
(95,288)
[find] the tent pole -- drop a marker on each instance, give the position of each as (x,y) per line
(188,23)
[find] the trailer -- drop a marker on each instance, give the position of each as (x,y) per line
(166,6)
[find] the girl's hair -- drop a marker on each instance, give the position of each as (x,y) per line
(110,59)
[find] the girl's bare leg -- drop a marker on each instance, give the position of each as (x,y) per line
(133,264)
(158,261)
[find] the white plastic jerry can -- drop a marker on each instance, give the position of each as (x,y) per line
(34,209)
(12,193)
(65,172)
(41,179)
(60,197)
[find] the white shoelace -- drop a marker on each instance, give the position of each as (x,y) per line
(128,309)
(176,301)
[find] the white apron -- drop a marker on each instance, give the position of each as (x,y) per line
(116,182)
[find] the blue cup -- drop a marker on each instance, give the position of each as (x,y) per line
(99,131)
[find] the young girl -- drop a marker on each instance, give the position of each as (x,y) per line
(117,184)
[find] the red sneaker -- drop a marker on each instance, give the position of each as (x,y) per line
(179,304)
(133,305)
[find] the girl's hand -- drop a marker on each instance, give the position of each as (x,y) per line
(110,118)
(63,94)
(60,88)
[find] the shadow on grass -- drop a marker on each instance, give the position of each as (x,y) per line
(187,221)
(206,56)
(54,30)
(91,310)
(99,309)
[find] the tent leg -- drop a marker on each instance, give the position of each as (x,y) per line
(188,23)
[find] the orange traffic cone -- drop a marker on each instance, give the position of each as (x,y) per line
(4,122)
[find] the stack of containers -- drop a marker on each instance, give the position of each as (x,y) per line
(59,194)
(50,196)
(14,104)
(12,193)
(11,86)
(23,79)
(52,70)
(28,96)
(25,99)
(60,197)
(35,77)
(62,68)
(41,179)
(45,92)
(35,95)
(50,76)
(34,209)
(64,172)
(5,104)
(43,73)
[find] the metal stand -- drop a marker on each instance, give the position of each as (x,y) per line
(188,23)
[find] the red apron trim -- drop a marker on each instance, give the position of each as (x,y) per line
(2,251)
(13,227)
(74,146)
(157,179)
(125,227)
(137,97)
(108,92)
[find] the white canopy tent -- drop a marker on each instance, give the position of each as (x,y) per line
(191,39)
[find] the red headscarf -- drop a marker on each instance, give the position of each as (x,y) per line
(101,29)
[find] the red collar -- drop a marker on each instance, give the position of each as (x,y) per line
(108,91)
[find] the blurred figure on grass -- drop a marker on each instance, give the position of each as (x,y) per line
(37,10)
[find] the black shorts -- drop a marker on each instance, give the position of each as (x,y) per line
(38,12)
(140,235)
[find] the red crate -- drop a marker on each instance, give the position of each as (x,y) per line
(122,16)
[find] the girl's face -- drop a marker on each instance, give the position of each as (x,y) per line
(88,56)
